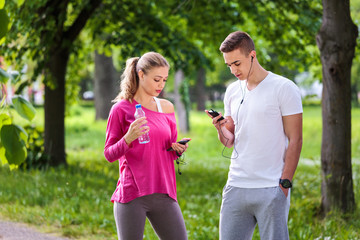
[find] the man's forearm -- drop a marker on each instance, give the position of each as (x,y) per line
(292,156)
(225,136)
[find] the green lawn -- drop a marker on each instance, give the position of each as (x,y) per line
(75,202)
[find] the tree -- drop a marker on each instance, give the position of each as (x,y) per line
(179,105)
(59,43)
(336,41)
(50,35)
(200,89)
(105,85)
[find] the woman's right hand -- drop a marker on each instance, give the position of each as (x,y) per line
(136,129)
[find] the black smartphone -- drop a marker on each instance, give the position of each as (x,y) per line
(215,114)
(183,142)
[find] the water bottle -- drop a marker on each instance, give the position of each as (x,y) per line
(145,138)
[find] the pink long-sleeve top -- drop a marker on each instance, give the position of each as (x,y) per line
(144,168)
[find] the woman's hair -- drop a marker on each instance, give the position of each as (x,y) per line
(130,79)
(237,40)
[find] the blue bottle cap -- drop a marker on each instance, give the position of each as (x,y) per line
(138,105)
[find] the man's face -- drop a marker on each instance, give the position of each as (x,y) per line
(238,63)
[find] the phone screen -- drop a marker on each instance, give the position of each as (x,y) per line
(183,141)
(215,114)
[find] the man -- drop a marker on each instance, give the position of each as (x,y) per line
(263,122)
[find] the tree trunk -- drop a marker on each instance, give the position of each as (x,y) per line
(336,41)
(105,88)
(200,89)
(54,141)
(58,48)
(179,105)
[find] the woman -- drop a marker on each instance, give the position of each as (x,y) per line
(147,184)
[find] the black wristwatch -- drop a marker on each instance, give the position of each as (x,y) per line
(285,183)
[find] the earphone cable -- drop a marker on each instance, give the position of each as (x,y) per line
(237,115)
(227,140)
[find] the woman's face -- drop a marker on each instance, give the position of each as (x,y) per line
(154,80)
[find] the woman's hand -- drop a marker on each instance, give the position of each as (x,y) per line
(180,148)
(136,129)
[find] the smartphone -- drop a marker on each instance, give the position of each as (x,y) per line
(214,113)
(183,142)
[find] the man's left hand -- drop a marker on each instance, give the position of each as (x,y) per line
(285,190)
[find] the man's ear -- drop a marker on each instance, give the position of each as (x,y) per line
(253,54)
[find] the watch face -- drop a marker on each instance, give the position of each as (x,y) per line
(286,183)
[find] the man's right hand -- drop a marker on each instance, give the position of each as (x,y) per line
(215,121)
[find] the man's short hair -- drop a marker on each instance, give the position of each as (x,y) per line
(237,40)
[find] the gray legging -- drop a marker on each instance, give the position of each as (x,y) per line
(162,211)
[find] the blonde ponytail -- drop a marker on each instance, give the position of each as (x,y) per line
(129,81)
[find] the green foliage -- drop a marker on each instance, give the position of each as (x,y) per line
(180,31)
(23,107)
(13,140)
(40,35)
(136,27)
(75,201)
(286,47)
(4,76)
(4,19)
(80,67)
(36,157)
(311,100)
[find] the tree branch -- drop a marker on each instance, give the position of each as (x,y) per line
(72,33)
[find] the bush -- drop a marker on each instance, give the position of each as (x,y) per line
(36,157)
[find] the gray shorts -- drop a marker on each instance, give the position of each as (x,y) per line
(243,208)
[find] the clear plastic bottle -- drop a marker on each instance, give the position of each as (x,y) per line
(145,138)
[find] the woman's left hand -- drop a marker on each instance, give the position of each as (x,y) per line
(180,148)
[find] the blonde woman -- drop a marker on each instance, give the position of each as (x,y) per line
(147,184)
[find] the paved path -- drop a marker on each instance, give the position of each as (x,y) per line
(19,231)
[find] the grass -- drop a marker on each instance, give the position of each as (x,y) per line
(75,201)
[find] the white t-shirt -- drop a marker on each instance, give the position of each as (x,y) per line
(260,142)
